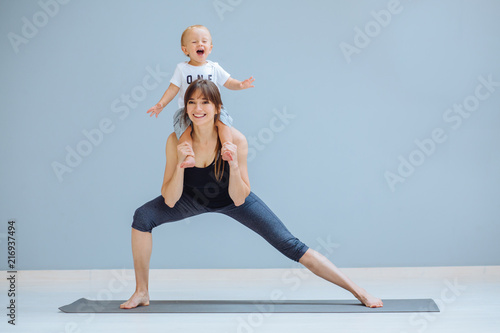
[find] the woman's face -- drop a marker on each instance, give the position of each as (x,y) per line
(200,109)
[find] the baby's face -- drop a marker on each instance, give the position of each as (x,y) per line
(197,45)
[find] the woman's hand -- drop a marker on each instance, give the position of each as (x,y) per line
(183,150)
(231,150)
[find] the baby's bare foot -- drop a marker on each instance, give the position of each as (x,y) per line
(188,162)
(369,300)
(137,299)
(227,156)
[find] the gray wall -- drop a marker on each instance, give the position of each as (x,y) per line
(374,138)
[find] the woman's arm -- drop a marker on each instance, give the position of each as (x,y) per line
(173,179)
(239,184)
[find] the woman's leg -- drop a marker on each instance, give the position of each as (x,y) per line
(142,243)
(255,215)
(324,268)
(147,217)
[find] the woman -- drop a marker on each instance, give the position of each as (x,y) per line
(214,185)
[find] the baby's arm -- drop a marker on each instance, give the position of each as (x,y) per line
(234,84)
(167,97)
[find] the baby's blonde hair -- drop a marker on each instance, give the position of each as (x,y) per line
(191,28)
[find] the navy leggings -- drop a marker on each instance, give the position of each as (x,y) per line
(254,214)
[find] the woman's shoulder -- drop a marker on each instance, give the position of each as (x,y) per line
(172,140)
(172,137)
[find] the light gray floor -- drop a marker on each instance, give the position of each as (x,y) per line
(467,296)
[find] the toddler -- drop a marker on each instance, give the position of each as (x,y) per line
(196,43)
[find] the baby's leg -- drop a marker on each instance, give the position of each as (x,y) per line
(186,137)
(225,135)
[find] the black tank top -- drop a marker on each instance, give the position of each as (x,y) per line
(202,185)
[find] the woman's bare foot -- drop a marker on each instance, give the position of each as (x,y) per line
(137,299)
(188,162)
(369,300)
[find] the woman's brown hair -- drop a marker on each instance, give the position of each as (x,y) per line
(209,90)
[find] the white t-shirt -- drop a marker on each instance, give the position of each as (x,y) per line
(185,74)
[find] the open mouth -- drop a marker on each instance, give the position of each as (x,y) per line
(199,116)
(200,52)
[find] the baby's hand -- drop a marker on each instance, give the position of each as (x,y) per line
(156,110)
(247,83)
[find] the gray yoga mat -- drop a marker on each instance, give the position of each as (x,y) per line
(84,305)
